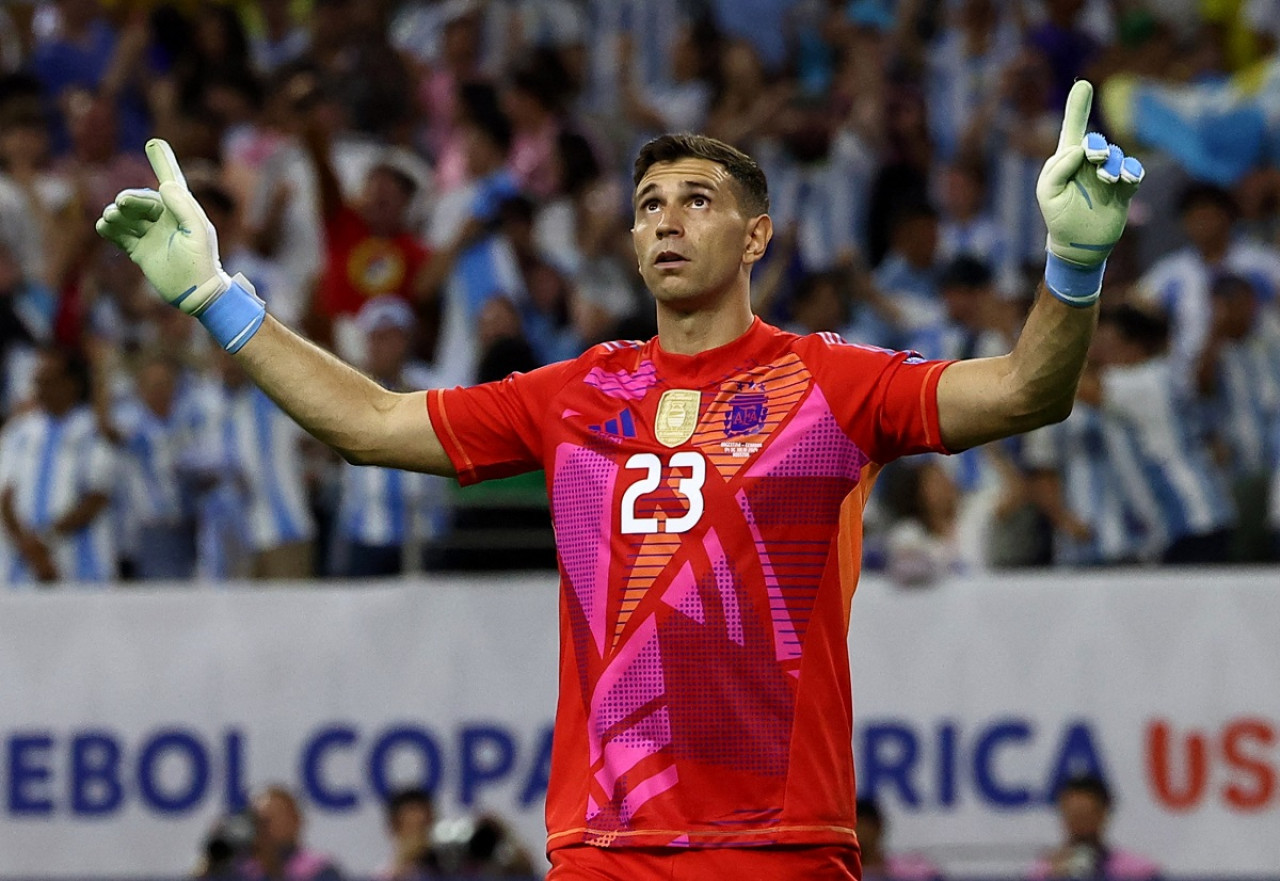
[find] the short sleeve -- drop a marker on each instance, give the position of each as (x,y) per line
(100,475)
(886,401)
(497,429)
(1041,449)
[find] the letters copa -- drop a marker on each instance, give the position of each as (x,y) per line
(174,770)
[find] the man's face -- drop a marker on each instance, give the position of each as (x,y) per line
(690,234)
(1083,816)
(413,822)
(1207,225)
(278,821)
(385,202)
(55,387)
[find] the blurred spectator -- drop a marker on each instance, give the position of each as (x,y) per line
(1171,484)
(56,476)
(1024,131)
(279,39)
(32,194)
(1073,482)
(967,228)
(965,69)
(676,103)
(878,864)
(155,424)
(260,502)
(920,546)
(277,851)
(474,262)
(228,844)
(1179,284)
(1066,44)
(385,516)
(908,276)
(481,846)
(746,100)
(370,250)
(582,233)
(1239,375)
(411,816)
(1084,807)
(820,303)
(79,50)
(532,100)
(27,311)
(992,527)
(550,308)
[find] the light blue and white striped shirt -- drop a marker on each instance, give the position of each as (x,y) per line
(1170,482)
(1076,450)
(254,448)
(386,507)
(51,464)
(1246,403)
(1180,284)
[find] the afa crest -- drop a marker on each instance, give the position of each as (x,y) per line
(747,413)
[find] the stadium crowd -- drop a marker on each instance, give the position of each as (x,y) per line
(440,192)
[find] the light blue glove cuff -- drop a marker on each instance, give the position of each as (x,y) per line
(235,316)
(1073,284)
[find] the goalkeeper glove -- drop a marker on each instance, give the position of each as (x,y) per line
(168,235)
(1084,191)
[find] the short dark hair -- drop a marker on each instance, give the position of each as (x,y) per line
(1136,325)
(1199,193)
(965,271)
(75,365)
(479,106)
(1231,285)
(753,189)
(402,798)
(1087,784)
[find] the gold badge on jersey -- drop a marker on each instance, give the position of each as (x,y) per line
(677,416)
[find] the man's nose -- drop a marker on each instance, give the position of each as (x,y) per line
(670,223)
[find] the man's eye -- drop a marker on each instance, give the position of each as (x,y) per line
(699,201)
(650,205)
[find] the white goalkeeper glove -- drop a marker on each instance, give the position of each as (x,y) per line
(171,239)
(1084,191)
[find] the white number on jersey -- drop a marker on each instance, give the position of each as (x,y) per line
(690,487)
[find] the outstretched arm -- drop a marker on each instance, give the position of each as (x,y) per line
(1084,192)
(168,235)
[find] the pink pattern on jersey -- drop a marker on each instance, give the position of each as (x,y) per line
(642,792)
(811,444)
(628,749)
(724,583)
(579,502)
(683,595)
(632,679)
(622,383)
(786,642)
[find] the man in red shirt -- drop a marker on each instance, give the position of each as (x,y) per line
(706,488)
(370,250)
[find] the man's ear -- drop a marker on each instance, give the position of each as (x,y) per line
(759,234)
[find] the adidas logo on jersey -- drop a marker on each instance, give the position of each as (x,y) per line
(621,425)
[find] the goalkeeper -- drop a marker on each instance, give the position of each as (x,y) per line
(707,490)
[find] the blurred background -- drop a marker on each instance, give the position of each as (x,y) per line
(440,193)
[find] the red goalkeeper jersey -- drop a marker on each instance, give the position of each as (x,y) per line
(708,516)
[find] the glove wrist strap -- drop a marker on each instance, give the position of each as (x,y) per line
(1073,284)
(235,315)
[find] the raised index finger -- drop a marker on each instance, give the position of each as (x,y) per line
(163,162)
(1075,119)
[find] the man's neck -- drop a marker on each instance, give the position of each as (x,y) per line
(689,333)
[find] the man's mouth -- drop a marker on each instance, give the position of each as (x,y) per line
(670,258)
